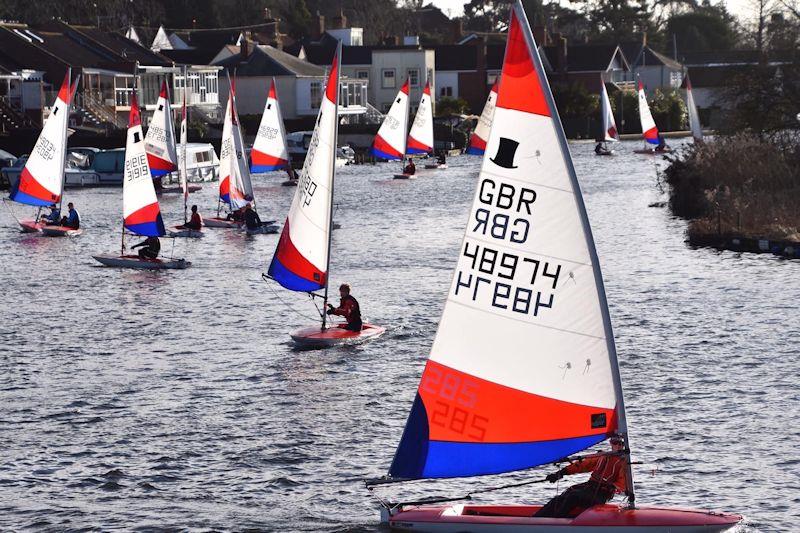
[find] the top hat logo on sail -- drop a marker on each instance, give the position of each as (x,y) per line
(505,153)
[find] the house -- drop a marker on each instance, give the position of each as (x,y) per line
(300,84)
(654,69)
(588,65)
(468,70)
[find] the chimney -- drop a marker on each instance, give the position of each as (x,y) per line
(458,29)
(267,15)
(561,49)
(278,37)
(318,28)
(540,35)
(340,21)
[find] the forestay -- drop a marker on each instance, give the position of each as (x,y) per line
(420,138)
(390,142)
(609,125)
(162,155)
(649,130)
(522,371)
(41,182)
(139,203)
(183,171)
(300,262)
(269,150)
(694,117)
(477,141)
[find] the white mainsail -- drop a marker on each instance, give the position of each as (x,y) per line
(694,117)
(609,126)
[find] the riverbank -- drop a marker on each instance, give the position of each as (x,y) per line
(739,192)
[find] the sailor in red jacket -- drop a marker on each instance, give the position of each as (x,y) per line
(608,478)
(348,308)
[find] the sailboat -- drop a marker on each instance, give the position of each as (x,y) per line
(694,117)
(390,141)
(523,369)
(302,258)
(41,182)
(159,142)
(269,149)
(477,141)
(183,176)
(649,130)
(609,126)
(140,210)
(420,138)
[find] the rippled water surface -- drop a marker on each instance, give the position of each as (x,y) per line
(174,399)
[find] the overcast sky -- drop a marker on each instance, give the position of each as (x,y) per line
(740,8)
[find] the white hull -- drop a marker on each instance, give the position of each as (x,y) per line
(219,223)
(185,233)
(130,261)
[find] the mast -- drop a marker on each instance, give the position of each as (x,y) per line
(622,424)
(184,140)
(338,59)
(66,128)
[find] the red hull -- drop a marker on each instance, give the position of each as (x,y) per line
(315,337)
(30,226)
(605,518)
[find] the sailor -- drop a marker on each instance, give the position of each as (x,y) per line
(348,308)
(236,215)
(73,219)
(53,218)
(151,246)
(195,222)
(662,144)
(251,218)
(607,479)
(442,159)
(599,148)
(410,168)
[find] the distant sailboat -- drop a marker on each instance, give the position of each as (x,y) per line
(420,138)
(302,258)
(694,117)
(183,176)
(159,143)
(390,141)
(269,150)
(609,126)
(41,182)
(649,130)
(523,369)
(477,141)
(140,210)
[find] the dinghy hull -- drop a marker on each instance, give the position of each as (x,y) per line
(60,231)
(597,519)
(647,151)
(134,261)
(435,166)
(267,229)
(30,226)
(216,222)
(192,187)
(315,337)
(185,233)
(404,177)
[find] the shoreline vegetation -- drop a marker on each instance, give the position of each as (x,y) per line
(739,192)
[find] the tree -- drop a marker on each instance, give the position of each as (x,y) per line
(709,27)
(451,106)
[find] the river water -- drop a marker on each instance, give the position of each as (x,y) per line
(147,400)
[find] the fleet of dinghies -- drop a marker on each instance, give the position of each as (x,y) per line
(525,334)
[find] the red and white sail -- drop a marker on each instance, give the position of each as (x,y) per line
(477,141)
(41,182)
(523,368)
(235,186)
(269,150)
(390,142)
(420,138)
(162,155)
(694,117)
(609,126)
(301,259)
(140,209)
(649,130)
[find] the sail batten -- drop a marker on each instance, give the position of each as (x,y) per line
(523,367)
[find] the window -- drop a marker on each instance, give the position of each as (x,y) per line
(362,74)
(316,94)
(413,77)
(446,91)
(388,78)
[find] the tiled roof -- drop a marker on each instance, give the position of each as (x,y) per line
(268,61)
(584,57)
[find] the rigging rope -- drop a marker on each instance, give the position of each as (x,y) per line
(288,306)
